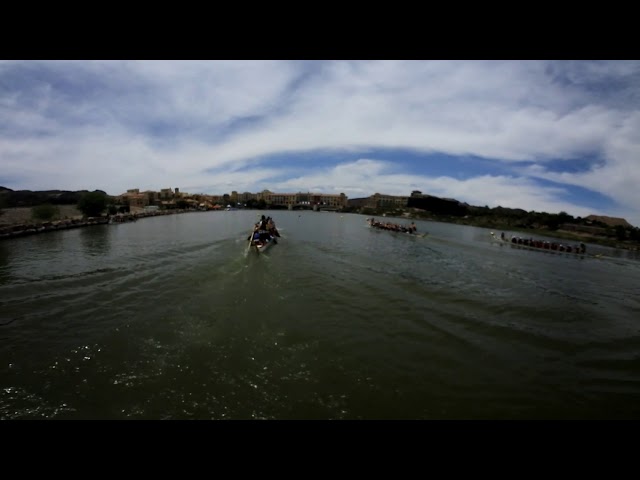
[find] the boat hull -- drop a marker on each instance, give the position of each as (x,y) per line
(262,247)
(264,235)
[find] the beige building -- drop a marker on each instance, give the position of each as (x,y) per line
(166,193)
(282,199)
(138,200)
(134,198)
(381,200)
(167,197)
(300,198)
(243,197)
(331,200)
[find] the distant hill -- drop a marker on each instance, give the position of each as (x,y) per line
(611,221)
(28,198)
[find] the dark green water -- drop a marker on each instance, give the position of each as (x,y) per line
(171,318)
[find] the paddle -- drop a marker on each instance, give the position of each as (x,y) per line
(250,239)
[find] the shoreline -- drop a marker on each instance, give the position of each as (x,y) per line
(17,230)
(25,228)
(561,234)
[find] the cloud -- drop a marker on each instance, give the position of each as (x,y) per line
(116,125)
(366,176)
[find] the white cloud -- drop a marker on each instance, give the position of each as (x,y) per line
(115,125)
(365,176)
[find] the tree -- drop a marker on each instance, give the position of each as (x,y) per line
(45,212)
(93,203)
(125,207)
(550,220)
(564,217)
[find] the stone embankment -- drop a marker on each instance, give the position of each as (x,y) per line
(21,230)
(24,229)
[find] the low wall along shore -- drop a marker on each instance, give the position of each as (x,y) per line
(21,230)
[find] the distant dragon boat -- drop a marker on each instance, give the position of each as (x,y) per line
(542,245)
(395,227)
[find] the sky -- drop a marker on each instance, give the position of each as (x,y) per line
(547,136)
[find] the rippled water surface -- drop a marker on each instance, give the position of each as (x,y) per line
(172,318)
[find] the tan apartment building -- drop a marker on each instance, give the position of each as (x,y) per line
(167,197)
(154,197)
(243,197)
(301,198)
(139,200)
(388,201)
(134,198)
(166,194)
(282,199)
(328,199)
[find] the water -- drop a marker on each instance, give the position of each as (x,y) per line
(172,318)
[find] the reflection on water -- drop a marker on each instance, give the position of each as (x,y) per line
(5,264)
(96,239)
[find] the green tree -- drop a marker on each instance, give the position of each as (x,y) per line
(45,212)
(124,207)
(621,232)
(92,204)
(564,217)
(551,220)
(182,204)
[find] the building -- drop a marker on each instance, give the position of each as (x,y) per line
(379,200)
(167,198)
(166,194)
(244,197)
(134,198)
(359,202)
(326,200)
